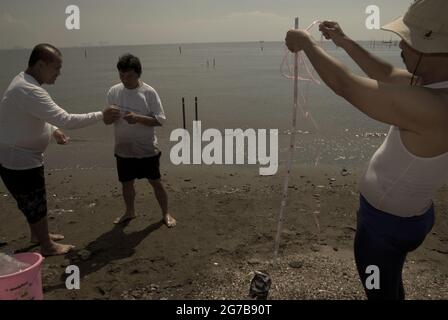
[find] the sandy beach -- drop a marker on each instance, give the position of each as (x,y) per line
(200,73)
(227,220)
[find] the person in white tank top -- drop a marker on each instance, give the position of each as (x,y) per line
(396,209)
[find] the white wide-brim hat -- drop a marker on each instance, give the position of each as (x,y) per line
(424,27)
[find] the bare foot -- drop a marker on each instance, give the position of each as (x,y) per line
(53,237)
(56,249)
(125,218)
(169,221)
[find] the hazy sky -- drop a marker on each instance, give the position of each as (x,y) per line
(24,23)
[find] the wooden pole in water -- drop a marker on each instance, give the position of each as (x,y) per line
(183,112)
(196,108)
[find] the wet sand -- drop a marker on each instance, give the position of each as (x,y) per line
(227,220)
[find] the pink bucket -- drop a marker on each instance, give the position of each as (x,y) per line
(26,284)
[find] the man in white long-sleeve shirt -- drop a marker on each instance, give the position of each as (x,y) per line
(28,119)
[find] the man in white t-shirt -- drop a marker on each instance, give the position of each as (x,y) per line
(136,149)
(28,120)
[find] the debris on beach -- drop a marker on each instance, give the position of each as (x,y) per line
(226,190)
(375,134)
(65,263)
(84,254)
(296,264)
(71,198)
(288,132)
(372,135)
(254,261)
(154,287)
(61,211)
(260,285)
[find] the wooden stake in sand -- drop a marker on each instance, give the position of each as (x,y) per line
(291,149)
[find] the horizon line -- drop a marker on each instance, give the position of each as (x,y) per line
(171,44)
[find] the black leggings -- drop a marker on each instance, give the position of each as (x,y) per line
(384,240)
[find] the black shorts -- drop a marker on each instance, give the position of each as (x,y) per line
(28,189)
(134,168)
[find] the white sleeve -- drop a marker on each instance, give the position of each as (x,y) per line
(110,97)
(39,103)
(157,108)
